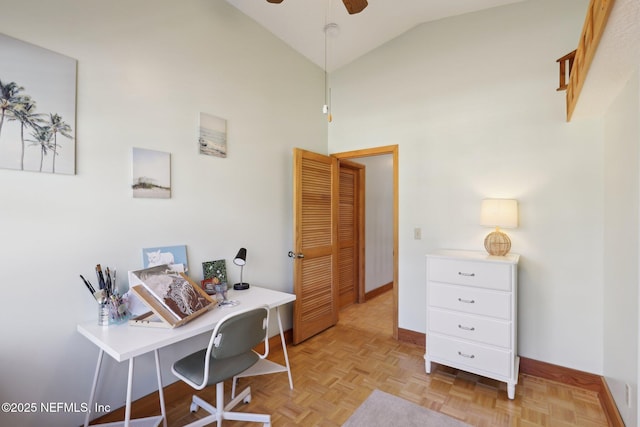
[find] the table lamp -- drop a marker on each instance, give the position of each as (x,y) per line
(498,213)
(241,260)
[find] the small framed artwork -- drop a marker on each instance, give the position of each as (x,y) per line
(212,135)
(173,256)
(151,174)
(215,270)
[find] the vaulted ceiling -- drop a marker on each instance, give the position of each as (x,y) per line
(301,23)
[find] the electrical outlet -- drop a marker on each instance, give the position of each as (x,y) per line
(417,233)
(627,395)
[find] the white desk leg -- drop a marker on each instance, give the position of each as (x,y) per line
(284,348)
(160,391)
(92,395)
(127,412)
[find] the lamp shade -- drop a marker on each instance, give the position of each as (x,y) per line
(241,257)
(499,213)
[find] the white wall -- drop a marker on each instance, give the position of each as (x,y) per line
(621,239)
(378,220)
(146,69)
(471,102)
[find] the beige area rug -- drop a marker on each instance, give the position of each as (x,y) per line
(384,409)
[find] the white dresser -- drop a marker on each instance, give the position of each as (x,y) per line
(472,314)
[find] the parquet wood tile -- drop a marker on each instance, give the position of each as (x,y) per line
(335,371)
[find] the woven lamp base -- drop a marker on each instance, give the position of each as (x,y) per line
(497,243)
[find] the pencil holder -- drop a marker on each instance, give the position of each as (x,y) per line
(103,315)
(118,311)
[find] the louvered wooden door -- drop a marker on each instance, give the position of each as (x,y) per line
(315,223)
(348,233)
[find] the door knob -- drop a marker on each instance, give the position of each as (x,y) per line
(292,254)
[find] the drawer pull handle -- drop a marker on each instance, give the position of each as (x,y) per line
(460,273)
(467,328)
(468,356)
(467,301)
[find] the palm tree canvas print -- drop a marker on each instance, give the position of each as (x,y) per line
(151,174)
(37,108)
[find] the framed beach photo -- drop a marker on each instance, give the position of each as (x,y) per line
(212,135)
(151,174)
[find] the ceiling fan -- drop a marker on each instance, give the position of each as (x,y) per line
(353,6)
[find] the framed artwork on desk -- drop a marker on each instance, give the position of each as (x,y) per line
(215,272)
(172,296)
(173,256)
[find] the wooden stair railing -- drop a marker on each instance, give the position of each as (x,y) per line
(566,64)
(592,30)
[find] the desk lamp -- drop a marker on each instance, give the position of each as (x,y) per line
(498,213)
(241,260)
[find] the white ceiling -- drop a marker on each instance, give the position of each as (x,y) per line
(300,23)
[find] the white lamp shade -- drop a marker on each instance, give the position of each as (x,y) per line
(499,213)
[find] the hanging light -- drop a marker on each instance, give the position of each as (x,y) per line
(330,30)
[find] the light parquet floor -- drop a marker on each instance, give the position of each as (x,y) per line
(335,371)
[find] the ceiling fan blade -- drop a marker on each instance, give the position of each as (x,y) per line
(354,6)
(274,1)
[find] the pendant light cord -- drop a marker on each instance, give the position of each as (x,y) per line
(326,23)
(327,90)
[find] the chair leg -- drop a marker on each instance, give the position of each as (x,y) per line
(202,422)
(225,413)
(220,402)
(244,416)
(198,402)
(245,395)
(233,386)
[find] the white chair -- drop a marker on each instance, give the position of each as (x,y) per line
(230,352)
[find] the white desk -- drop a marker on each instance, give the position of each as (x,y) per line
(125,342)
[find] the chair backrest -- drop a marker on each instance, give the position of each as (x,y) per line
(239,332)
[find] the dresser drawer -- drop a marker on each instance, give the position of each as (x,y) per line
(470,300)
(474,357)
(479,329)
(492,275)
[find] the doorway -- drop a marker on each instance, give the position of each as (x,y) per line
(379,151)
